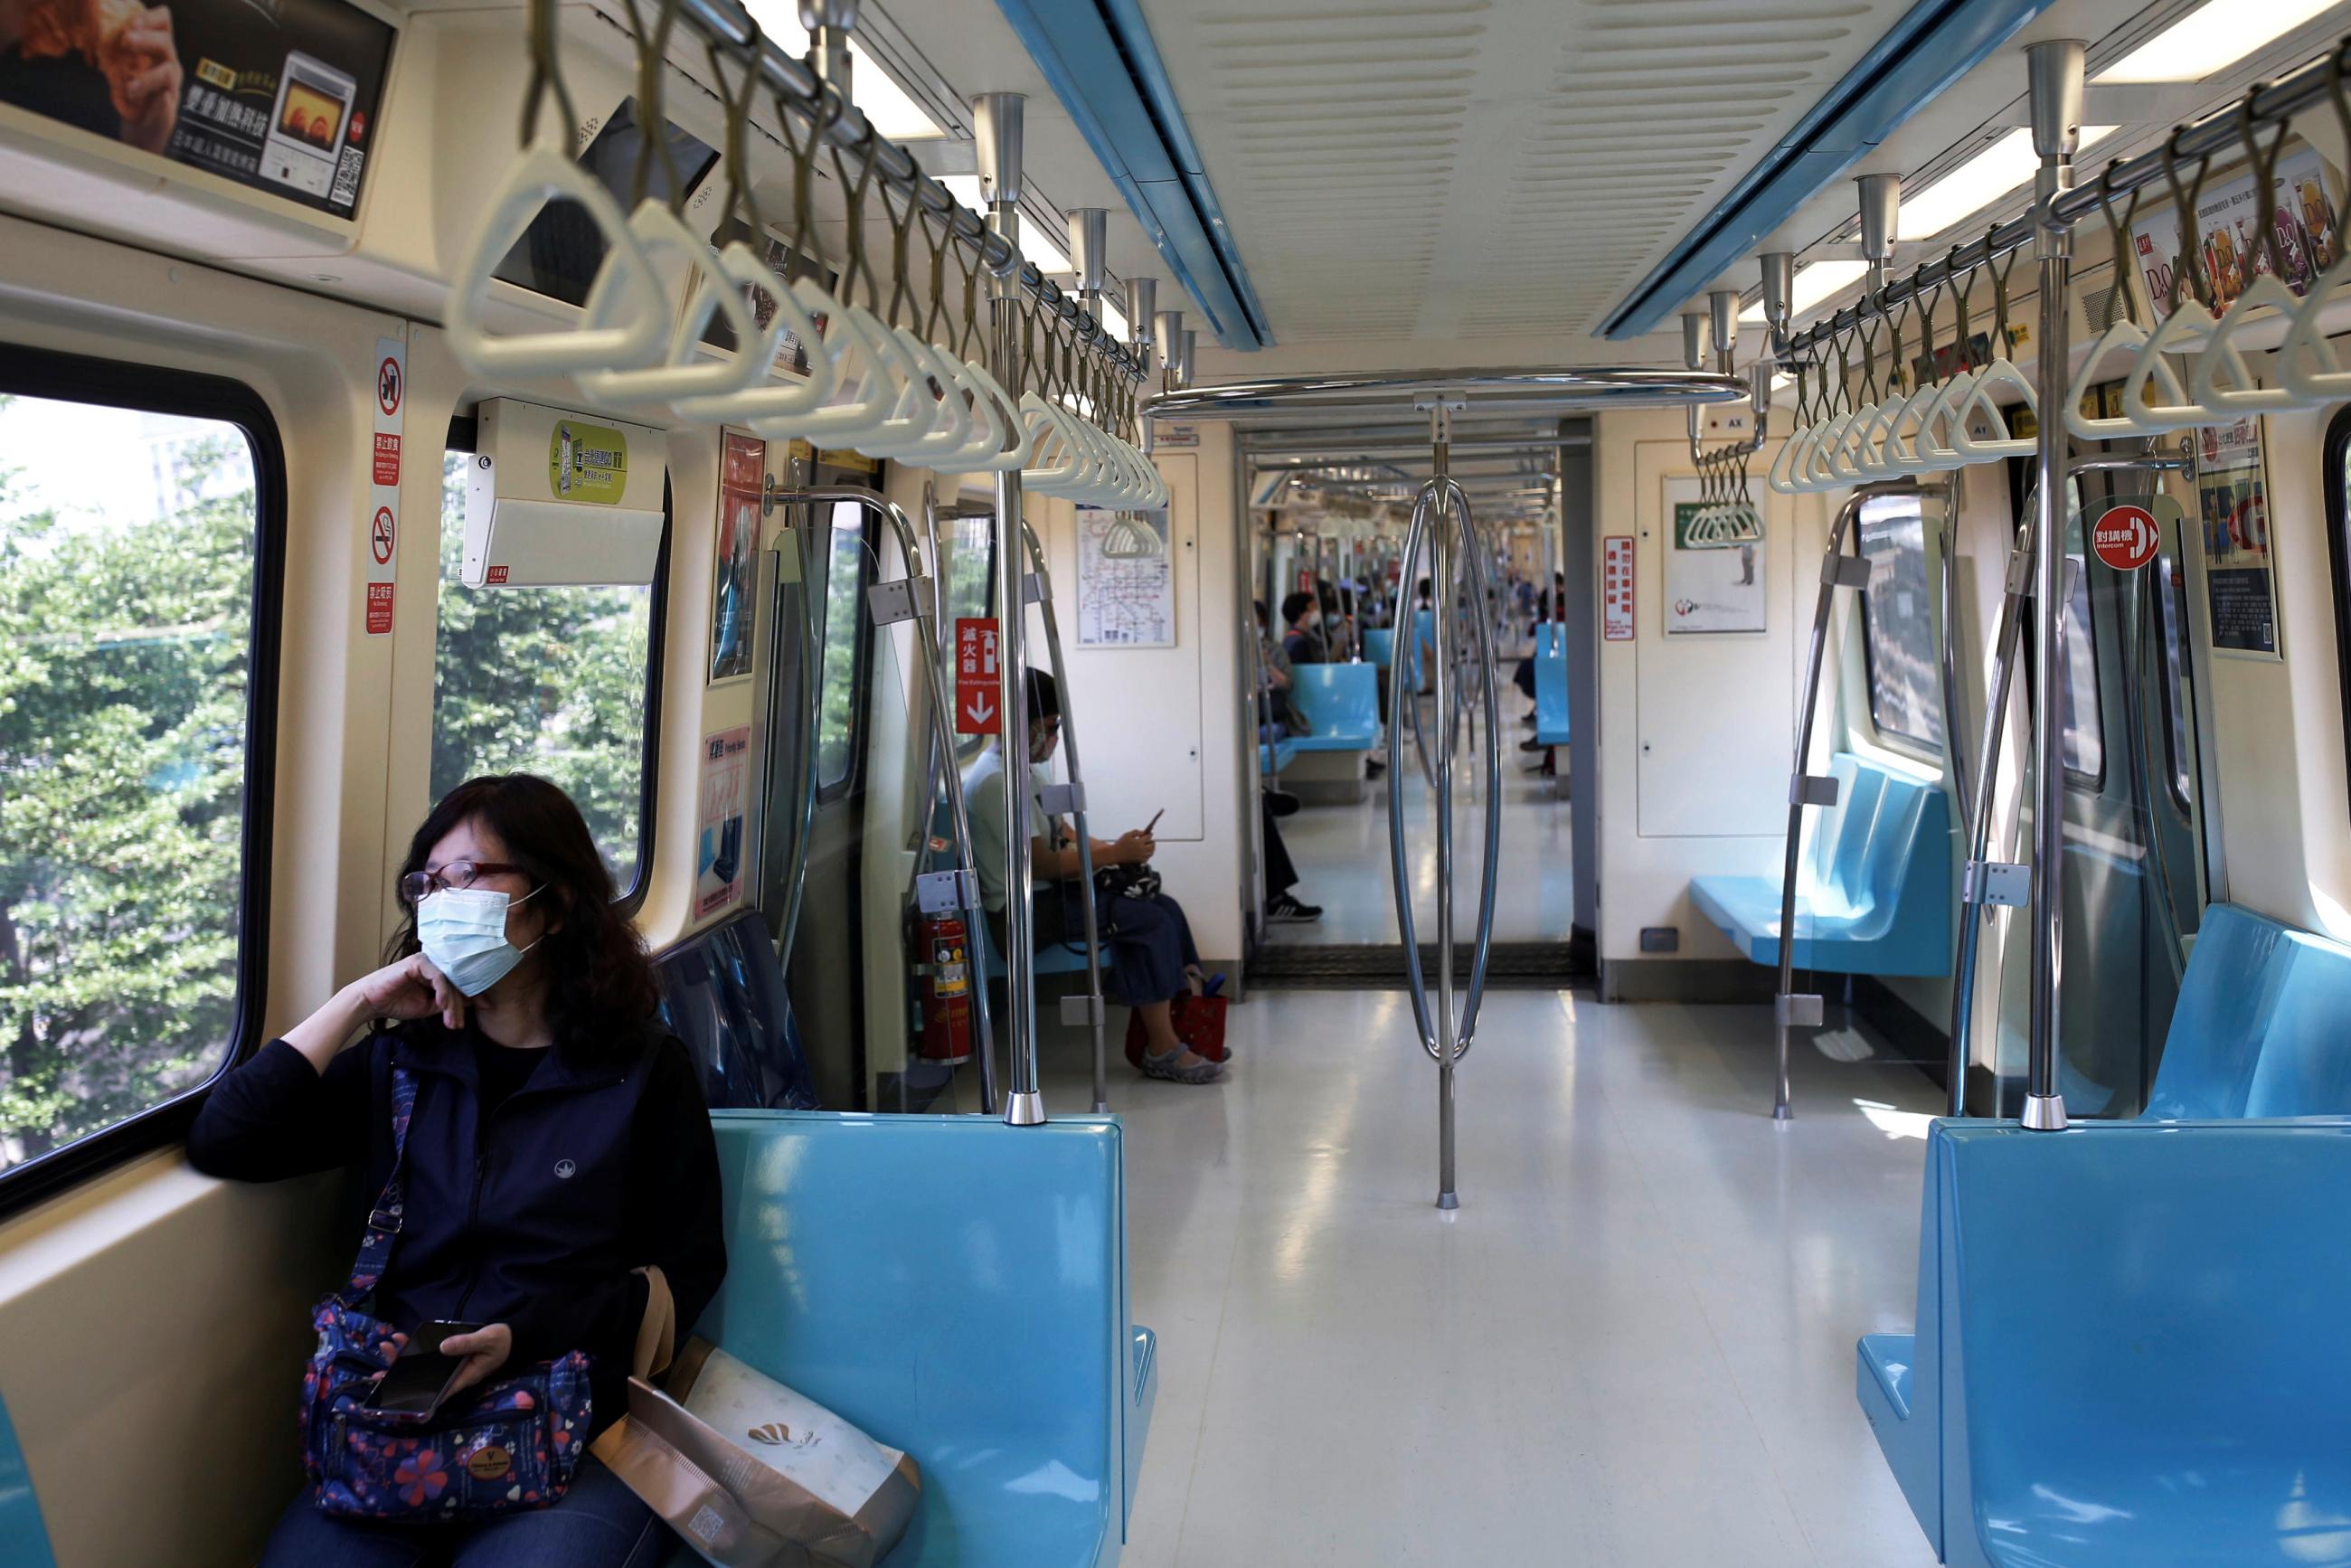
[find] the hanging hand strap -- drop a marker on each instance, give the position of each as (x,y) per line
(383,1220)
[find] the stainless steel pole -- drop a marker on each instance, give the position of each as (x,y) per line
(1086,907)
(996,126)
(1442,549)
(2055,67)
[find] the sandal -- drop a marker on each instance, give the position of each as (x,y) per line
(1163,1066)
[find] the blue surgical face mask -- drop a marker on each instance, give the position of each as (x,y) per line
(463,931)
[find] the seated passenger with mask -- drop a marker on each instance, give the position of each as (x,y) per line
(1146,934)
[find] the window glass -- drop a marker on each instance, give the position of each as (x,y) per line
(2175,750)
(129,543)
(551,681)
(2084,715)
(1898,625)
(846,576)
(968,546)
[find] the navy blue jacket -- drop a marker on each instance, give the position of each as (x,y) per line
(536,1219)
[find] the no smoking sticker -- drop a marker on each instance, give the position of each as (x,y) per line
(381,536)
(2125,537)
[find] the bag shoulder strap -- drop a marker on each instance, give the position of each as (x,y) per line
(657,1330)
(383,1220)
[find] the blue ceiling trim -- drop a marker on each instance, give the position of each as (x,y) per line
(1936,44)
(1107,73)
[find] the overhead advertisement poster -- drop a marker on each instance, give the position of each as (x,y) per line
(279,95)
(1126,584)
(2231,254)
(1714,563)
(2240,561)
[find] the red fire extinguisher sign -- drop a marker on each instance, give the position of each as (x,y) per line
(978,678)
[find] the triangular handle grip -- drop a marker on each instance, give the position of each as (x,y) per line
(778,400)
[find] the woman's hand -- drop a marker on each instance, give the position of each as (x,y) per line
(1133,847)
(409,990)
(485,1350)
(146,81)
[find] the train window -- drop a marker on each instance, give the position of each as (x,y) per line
(848,573)
(560,682)
(1897,622)
(2083,713)
(139,511)
(2175,750)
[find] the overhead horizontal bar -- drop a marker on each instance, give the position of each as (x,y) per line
(1481,391)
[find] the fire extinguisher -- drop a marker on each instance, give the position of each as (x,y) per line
(944,950)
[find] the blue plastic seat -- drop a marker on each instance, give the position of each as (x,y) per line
(1052,959)
(1274,756)
(1379,646)
(1551,684)
(2129,1347)
(1340,703)
(956,1287)
(723,994)
(1873,891)
(23,1538)
(2259,1029)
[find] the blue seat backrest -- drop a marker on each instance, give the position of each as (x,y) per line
(723,994)
(1884,844)
(1340,700)
(2262,1027)
(24,1540)
(956,1287)
(1379,646)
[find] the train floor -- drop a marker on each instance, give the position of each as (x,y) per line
(1341,852)
(1631,1345)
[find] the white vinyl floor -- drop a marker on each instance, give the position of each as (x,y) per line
(1631,1345)
(1342,858)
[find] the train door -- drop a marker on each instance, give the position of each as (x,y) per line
(2134,873)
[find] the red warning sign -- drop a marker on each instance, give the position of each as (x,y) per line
(977,708)
(388,386)
(387,459)
(380,536)
(379,609)
(2125,537)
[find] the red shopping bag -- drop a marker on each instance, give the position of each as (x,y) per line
(1199,1023)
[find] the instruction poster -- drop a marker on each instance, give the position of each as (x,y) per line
(2239,560)
(742,467)
(1714,563)
(2231,254)
(277,95)
(1126,581)
(718,821)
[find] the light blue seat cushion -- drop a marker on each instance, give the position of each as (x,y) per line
(2262,1027)
(1340,703)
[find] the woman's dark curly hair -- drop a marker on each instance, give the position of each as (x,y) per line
(601,988)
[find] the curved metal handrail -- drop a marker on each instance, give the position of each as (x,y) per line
(1077,813)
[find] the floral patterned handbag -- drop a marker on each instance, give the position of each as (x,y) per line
(512,1444)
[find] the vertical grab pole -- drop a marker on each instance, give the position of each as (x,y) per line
(1442,547)
(997,129)
(1791,1011)
(975,908)
(2054,68)
(1092,1001)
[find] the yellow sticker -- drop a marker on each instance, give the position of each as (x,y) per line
(586,463)
(219,75)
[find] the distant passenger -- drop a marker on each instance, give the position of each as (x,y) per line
(557,1144)
(1145,932)
(1302,636)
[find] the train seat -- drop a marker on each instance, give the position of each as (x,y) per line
(1379,646)
(957,1288)
(2128,1347)
(1551,684)
(2257,1029)
(1873,890)
(1275,756)
(23,1538)
(723,993)
(1340,705)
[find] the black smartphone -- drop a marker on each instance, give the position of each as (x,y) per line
(1154,818)
(419,1380)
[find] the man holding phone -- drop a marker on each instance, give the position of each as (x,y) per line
(1148,938)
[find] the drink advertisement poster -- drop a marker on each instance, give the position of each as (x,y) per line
(735,581)
(718,821)
(2239,559)
(2229,252)
(280,96)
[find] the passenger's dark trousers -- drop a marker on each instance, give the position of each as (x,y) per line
(1281,876)
(1148,939)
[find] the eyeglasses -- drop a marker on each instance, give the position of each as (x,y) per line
(419,885)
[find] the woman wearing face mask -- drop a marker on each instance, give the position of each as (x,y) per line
(558,1142)
(1149,940)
